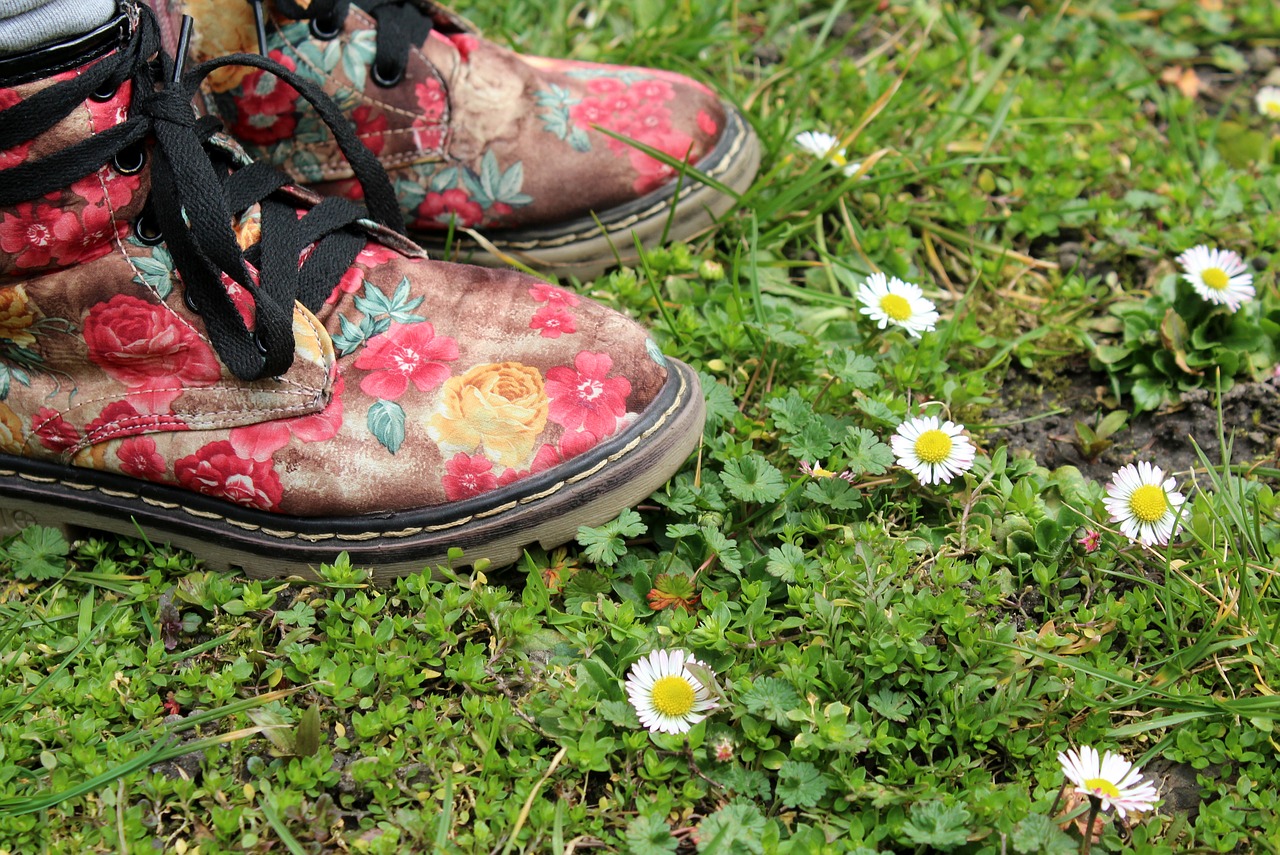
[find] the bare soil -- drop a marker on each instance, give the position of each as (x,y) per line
(1038,415)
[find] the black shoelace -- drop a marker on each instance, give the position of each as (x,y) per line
(197,192)
(400,26)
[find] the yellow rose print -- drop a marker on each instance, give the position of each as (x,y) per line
(11,438)
(17,315)
(499,408)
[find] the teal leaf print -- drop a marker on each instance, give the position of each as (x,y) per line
(579,140)
(651,347)
(445,179)
(358,56)
(349,336)
(556,117)
(396,307)
(386,423)
(318,57)
(304,163)
(156,272)
(410,193)
(498,185)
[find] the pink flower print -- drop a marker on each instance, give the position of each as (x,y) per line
(653,173)
(149,349)
(107,187)
(241,298)
(551,321)
(706,124)
(405,353)
(261,441)
(216,470)
(619,102)
(584,398)
(544,293)
(465,43)
(427,136)
(431,98)
(265,110)
(370,125)
(653,90)
(372,256)
(55,434)
(120,418)
(605,86)
(79,240)
(18,154)
(113,111)
(590,111)
(139,459)
(468,476)
(450,205)
(648,123)
(571,445)
(27,233)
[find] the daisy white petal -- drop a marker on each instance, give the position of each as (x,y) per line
(1144,503)
(1111,778)
(932,450)
(1218,275)
(891,301)
(1268,101)
(826,147)
(667,697)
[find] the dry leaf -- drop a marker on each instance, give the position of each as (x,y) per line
(1184,79)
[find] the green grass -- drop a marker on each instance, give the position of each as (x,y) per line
(900,664)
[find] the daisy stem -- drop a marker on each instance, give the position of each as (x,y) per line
(1057,800)
(1094,804)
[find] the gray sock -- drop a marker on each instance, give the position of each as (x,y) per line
(25,24)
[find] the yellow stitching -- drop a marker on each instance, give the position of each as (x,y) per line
(365,536)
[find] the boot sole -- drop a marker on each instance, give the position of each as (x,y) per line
(544,509)
(586,248)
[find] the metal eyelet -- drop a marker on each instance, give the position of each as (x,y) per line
(146,230)
(130,159)
(262,347)
(386,81)
(190,302)
(325,30)
(104,93)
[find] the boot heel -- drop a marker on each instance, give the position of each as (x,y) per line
(14,517)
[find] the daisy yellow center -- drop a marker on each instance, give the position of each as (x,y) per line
(819,472)
(1271,107)
(1102,787)
(1216,278)
(1148,503)
(933,446)
(895,307)
(672,696)
(838,159)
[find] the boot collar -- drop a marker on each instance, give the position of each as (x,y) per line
(51,59)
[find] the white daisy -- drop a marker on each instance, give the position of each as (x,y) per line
(1113,779)
(1268,101)
(934,452)
(823,145)
(666,696)
(892,301)
(1218,275)
(1145,503)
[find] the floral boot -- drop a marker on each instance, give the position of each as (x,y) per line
(532,153)
(194,347)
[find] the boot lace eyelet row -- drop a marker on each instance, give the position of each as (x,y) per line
(401,27)
(199,188)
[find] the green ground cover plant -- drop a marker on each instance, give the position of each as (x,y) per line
(895,665)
